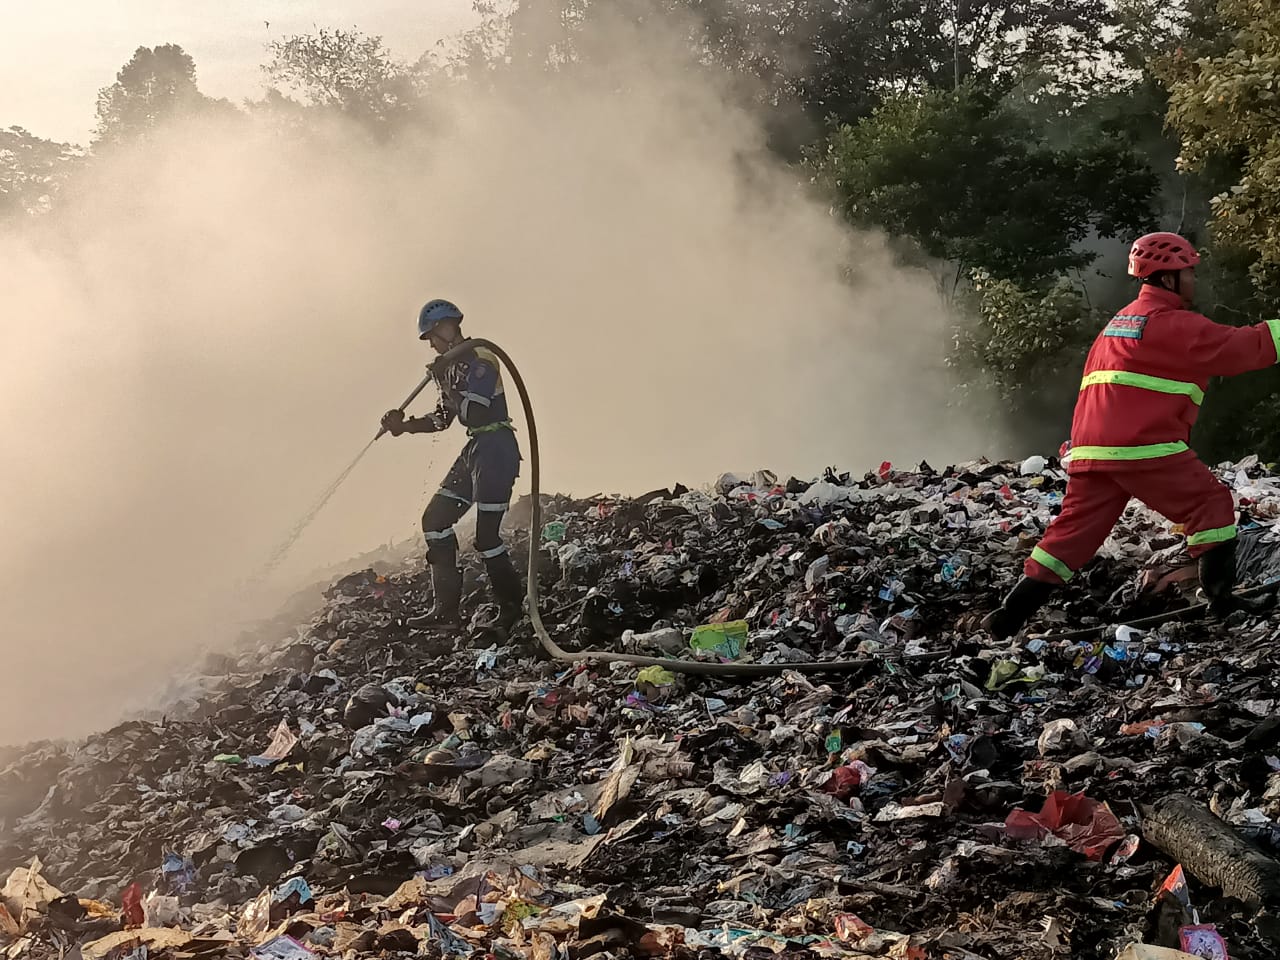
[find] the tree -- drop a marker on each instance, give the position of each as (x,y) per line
(832,58)
(974,184)
(1027,346)
(1226,109)
(840,57)
(1150,30)
(31,171)
(157,85)
(347,72)
(1224,101)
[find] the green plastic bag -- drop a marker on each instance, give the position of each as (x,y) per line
(725,640)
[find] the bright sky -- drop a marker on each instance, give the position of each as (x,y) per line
(55,55)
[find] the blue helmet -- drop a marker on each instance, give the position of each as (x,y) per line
(433,313)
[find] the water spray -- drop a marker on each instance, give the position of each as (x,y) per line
(278,554)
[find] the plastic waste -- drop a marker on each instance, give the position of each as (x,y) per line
(723,640)
(159,910)
(282,743)
(1059,735)
(667,640)
(656,676)
(1085,825)
(1203,940)
(1033,466)
(282,948)
(27,894)
(491,801)
(1143,951)
(368,704)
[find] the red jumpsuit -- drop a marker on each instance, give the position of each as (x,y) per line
(1143,384)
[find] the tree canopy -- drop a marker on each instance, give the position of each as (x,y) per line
(942,168)
(32,170)
(347,72)
(156,86)
(1013,146)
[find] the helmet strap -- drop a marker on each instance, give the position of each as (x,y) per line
(1157,280)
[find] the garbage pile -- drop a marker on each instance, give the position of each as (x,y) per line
(354,787)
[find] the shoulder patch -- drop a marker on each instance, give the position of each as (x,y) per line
(1126,327)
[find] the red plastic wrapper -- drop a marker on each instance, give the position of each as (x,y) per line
(1140,728)
(843,782)
(1203,940)
(131,901)
(1176,886)
(1086,826)
(851,928)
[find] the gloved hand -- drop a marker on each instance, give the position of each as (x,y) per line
(393,422)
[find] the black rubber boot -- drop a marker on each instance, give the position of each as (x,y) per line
(1218,582)
(505,584)
(1026,597)
(1218,577)
(446,587)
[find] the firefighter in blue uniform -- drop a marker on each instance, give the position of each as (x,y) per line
(484,473)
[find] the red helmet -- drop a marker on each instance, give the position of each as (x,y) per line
(1160,251)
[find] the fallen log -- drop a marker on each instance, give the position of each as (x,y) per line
(1211,851)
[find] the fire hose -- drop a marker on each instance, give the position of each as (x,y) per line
(697,667)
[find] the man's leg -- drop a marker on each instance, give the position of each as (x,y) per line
(496,463)
(448,505)
(1189,494)
(1091,507)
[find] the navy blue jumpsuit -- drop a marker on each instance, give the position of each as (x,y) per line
(485,472)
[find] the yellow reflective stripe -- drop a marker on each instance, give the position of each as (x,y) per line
(491,358)
(1217,535)
(1150,452)
(1274,327)
(1050,562)
(1144,382)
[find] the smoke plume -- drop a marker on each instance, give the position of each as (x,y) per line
(212,322)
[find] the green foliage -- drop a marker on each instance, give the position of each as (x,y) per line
(1147,29)
(973,184)
(32,171)
(808,63)
(1227,110)
(347,72)
(834,58)
(1224,104)
(156,86)
(1028,343)
(841,59)
(995,140)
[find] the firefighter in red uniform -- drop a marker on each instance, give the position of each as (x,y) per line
(1143,384)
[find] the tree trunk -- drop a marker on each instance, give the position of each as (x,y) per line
(1211,851)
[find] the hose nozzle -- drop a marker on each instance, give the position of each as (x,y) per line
(409,399)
